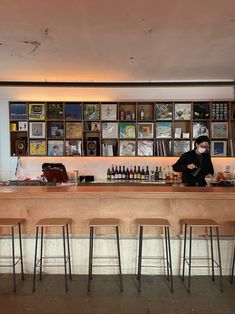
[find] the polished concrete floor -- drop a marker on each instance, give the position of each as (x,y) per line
(105,297)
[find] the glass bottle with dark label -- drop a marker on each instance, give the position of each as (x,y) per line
(120,173)
(112,173)
(116,174)
(131,174)
(139,174)
(123,173)
(143,174)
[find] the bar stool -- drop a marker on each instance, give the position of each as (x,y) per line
(53,222)
(207,223)
(12,223)
(104,222)
(155,222)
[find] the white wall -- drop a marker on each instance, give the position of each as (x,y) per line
(97,166)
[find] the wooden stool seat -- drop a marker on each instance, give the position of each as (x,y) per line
(53,222)
(109,222)
(10,222)
(199,222)
(154,222)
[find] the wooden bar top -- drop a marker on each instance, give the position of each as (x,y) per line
(64,191)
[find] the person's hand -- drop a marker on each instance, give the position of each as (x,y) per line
(191,166)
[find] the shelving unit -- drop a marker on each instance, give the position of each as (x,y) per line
(120,128)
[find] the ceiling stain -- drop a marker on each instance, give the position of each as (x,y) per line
(131,58)
(46,32)
(34,43)
(150,30)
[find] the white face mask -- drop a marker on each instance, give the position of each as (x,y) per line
(201,150)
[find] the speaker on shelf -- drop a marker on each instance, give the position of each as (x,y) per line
(91,147)
(20,146)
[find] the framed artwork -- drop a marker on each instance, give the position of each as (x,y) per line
(181,147)
(73,111)
(55,129)
(164,111)
(55,148)
(109,130)
(183,111)
(73,130)
(145,148)
(37,112)
(109,112)
(55,111)
(95,126)
(219,129)
(37,148)
(18,111)
(36,129)
(163,129)
(73,148)
(127,129)
(219,148)
(91,111)
(145,130)
(200,128)
(127,148)
(22,126)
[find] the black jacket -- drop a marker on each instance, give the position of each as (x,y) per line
(191,177)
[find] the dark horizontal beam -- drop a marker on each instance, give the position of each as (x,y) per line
(118,84)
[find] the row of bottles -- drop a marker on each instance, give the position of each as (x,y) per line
(136,173)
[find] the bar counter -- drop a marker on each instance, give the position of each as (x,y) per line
(81,203)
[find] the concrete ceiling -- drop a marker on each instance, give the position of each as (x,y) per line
(117,40)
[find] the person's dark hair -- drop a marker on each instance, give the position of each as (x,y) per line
(201,139)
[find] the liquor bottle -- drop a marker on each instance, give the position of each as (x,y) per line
(116,174)
(120,173)
(143,174)
(131,174)
(139,174)
(142,113)
(112,173)
(156,174)
(127,174)
(135,174)
(133,115)
(147,174)
(123,173)
(160,173)
(122,115)
(108,174)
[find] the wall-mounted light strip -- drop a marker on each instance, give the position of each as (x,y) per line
(118,84)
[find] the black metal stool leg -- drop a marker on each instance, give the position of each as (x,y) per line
(13,258)
(119,258)
(141,230)
(190,259)
(69,256)
(231,279)
(170,260)
(167,258)
(65,262)
(90,258)
(212,256)
(21,252)
(35,260)
(185,236)
(41,252)
(219,256)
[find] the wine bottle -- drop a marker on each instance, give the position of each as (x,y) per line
(147,174)
(108,174)
(116,174)
(156,174)
(123,173)
(135,174)
(131,174)
(139,174)
(112,173)
(143,174)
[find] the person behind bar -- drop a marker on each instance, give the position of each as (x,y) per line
(196,164)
